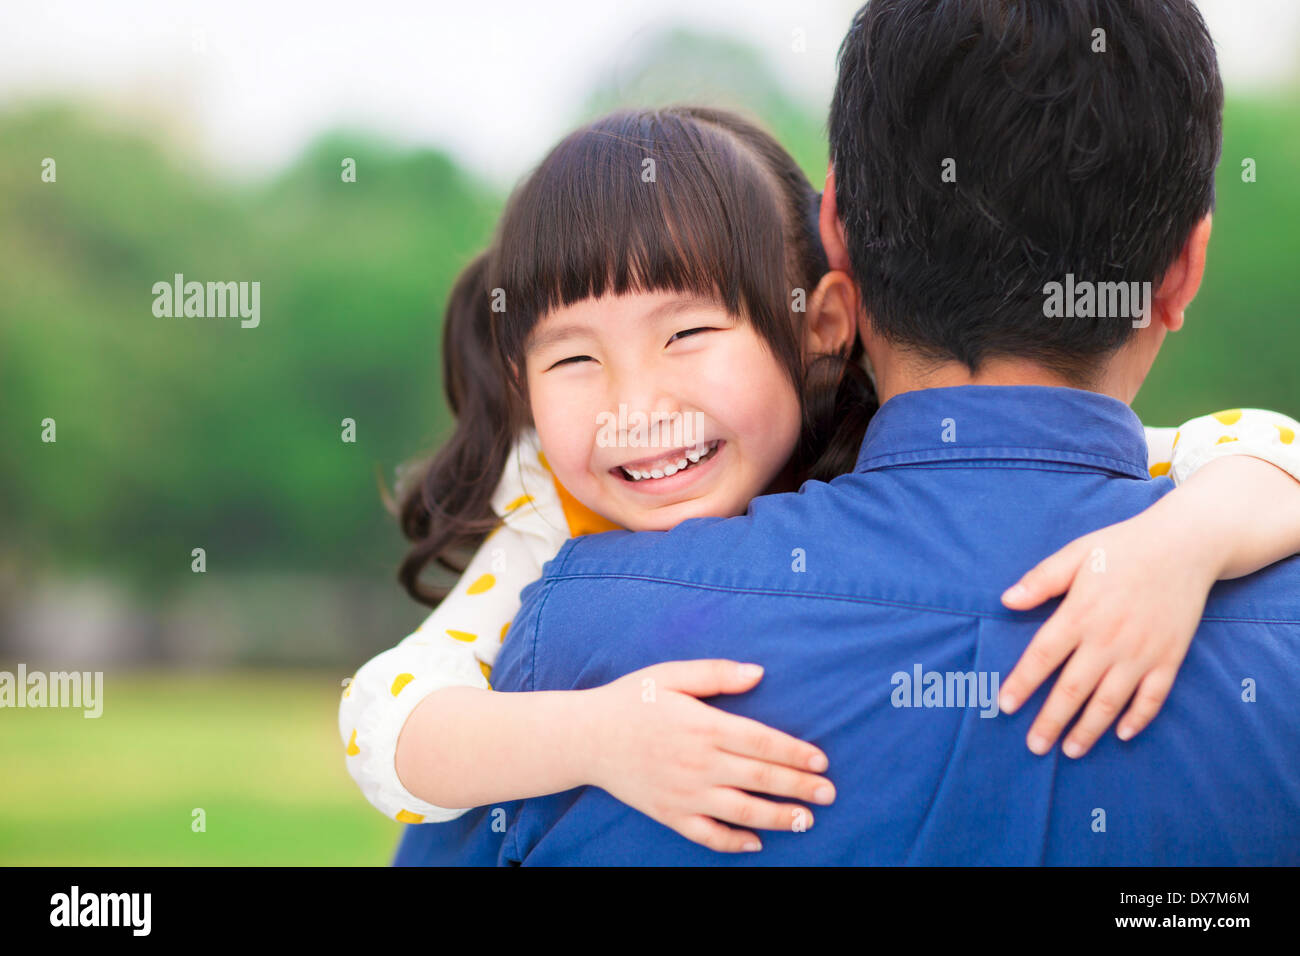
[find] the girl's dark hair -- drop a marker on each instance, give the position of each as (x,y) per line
(448,511)
(683,199)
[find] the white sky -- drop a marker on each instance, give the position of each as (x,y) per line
(248,83)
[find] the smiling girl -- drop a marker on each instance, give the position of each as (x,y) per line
(658,267)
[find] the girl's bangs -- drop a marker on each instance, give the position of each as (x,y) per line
(641,202)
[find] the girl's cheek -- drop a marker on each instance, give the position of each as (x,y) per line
(566,432)
(763,402)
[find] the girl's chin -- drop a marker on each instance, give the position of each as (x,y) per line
(668,515)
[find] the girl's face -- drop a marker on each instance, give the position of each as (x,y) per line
(657,407)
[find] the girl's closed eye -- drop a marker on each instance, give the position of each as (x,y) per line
(571,360)
(690,332)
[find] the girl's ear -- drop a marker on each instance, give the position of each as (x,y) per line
(832,317)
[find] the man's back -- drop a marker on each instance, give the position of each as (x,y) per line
(852,594)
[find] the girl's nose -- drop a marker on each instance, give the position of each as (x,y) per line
(640,390)
(642,405)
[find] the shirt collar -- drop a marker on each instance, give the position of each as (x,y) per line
(1006,423)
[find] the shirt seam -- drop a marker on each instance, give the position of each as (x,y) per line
(1000,453)
(853,599)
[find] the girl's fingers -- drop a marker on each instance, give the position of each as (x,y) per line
(760,776)
(712,834)
(735,806)
(1053,643)
(1107,701)
(1072,688)
(749,738)
(1048,578)
(1150,698)
(704,678)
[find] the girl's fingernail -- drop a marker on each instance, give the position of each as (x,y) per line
(1007,703)
(750,670)
(753,846)
(824,794)
(1038,744)
(1014,593)
(1072,749)
(1124,733)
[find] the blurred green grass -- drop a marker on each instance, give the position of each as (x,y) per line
(257,751)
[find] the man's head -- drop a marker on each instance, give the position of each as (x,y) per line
(984,149)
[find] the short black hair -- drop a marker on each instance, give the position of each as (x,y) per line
(1067,161)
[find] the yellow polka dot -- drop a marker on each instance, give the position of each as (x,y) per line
(1288,434)
(1229,417)
(1160,468)
(353,749)
(541,458)
(406,816)
(504,627)
(487,672)
(401,681)
(484,583)
(465,636)
(1175,444)
(1225,438)
(519,502)
(348,690)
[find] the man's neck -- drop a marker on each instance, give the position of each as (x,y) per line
(899,371)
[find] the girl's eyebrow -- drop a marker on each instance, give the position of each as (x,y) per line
(556,335)
(683,303)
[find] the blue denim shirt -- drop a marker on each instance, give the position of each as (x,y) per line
(873,603)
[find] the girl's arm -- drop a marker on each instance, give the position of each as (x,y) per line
(425,734)
(1137,588)
(678,760)
(455,743)
(451,652)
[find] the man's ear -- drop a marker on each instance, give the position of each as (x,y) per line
(1181,280)
(830,227)
(832,315)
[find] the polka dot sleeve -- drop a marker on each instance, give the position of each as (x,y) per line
(1238,431)
(457,644)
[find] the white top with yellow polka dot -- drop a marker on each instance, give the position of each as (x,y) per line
(458,643)
(1177,452)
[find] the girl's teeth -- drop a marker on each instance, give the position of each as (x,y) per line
(692,457)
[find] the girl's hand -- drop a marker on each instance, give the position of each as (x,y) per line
(1136,593)
(686,764)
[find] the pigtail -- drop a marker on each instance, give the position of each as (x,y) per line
(448,511)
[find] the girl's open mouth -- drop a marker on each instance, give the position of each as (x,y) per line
(659,473)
